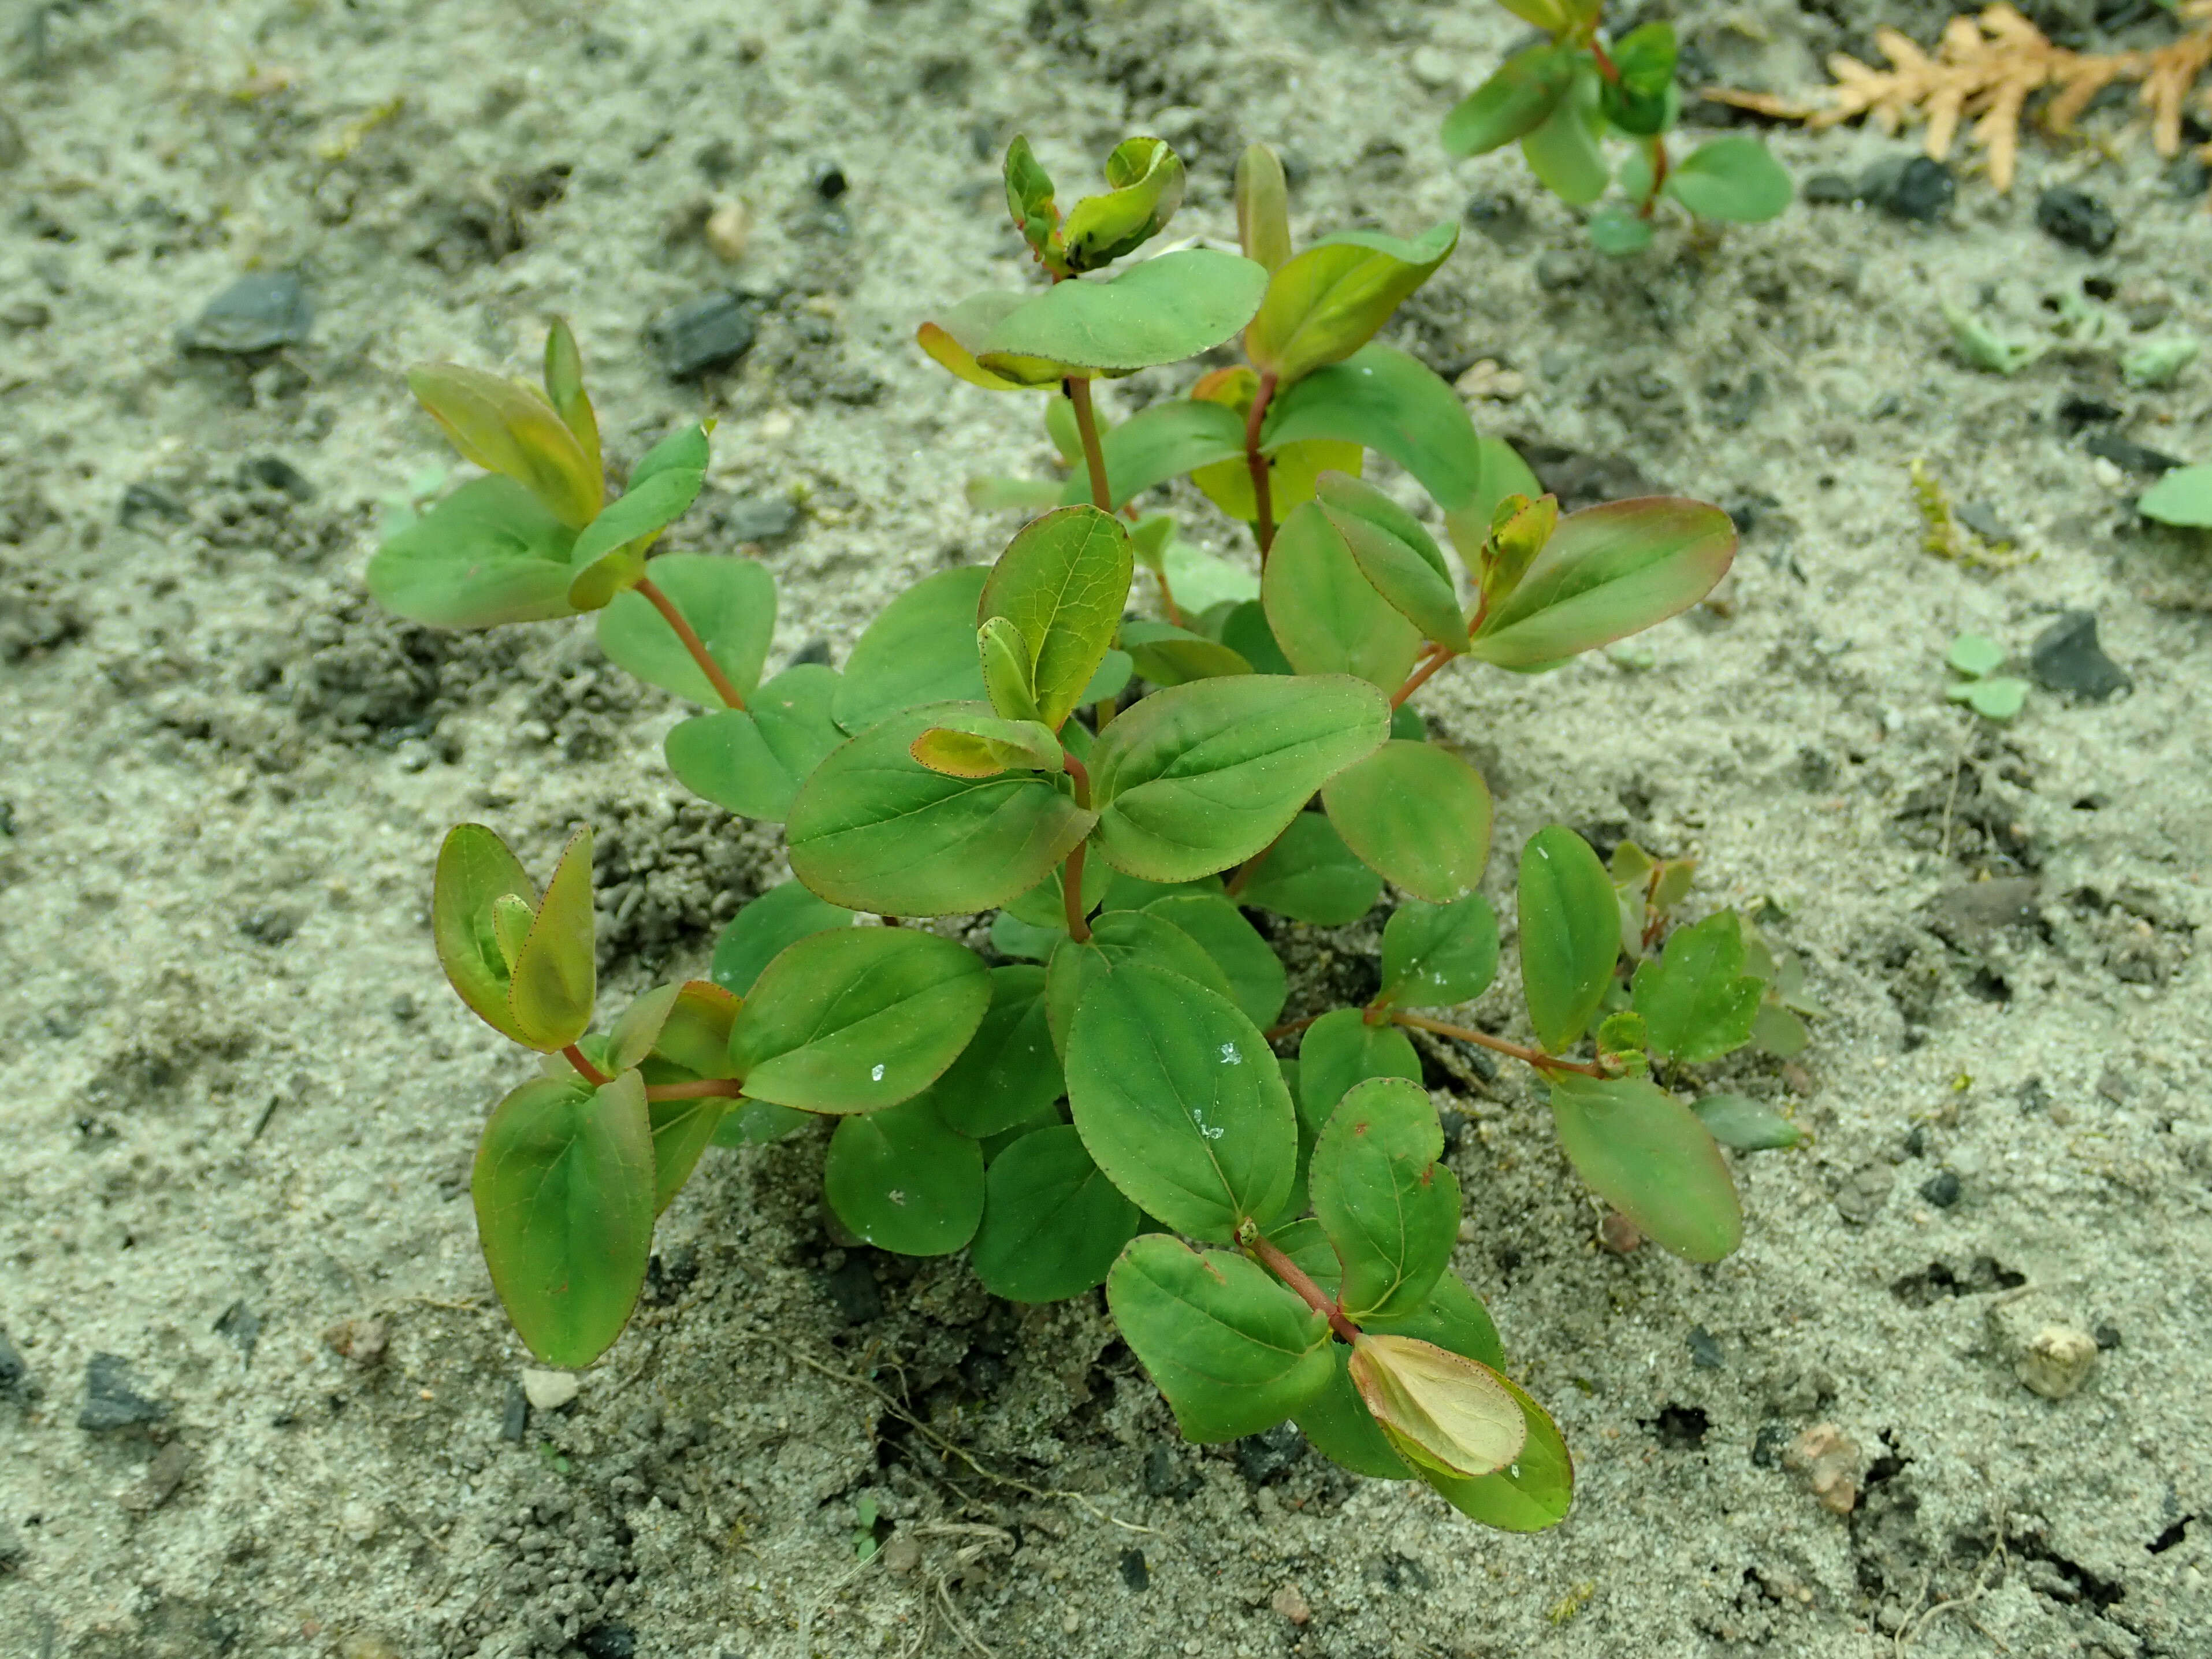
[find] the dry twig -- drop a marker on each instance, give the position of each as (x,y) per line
(1986,69)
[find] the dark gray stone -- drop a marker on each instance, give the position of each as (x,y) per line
(1271,1456)
(2131,456)
(2076,411)
(1863,1194)
(269,926)
(1169,1474)
(110,1402)
(275,472)
(257,313)
(2076,218)
(1500,218)
(1966,917)
(1704,1349)
(514,1416)
(761,519)
(2066,657)
(829,180)
(22,315)
(16,1378)
(1831,189)
(1135,1573)
(702,334)
(1942,1189)
(1920,190)
(12,1550)
(241,1325)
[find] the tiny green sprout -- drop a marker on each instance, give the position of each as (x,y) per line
(2160,361)
(2182,497)
(1124,761)
(1994,696)
(1982,348)
(1560,100)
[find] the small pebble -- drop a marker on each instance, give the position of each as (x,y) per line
(275,472)
(163,1476)
(1290,1602)
(361,1341)
(1862,1196)
(15,1379)
(1921,189)
(1942,1189)
(241,1325)
(257,312)
(2131,456)
(110,1400)
(514,1415)
(727,229)
(2066,657)
(1704,1349)
(903,1553)
(2076,218)
(1135,1573)
(1269,1456)
(2057,1361)
(709,332)
(360,1519)
(1831,189)
(548,1391)
(609,1641)
(1829,1459)
(22,315)
(830,181)
(761,518)
(1618,1234)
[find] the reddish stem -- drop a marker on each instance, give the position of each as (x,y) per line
(1071,874)
(1262,492)
(1290,1028)
(1437,658)
(1535,1057)
(1659,163)
(1270,1257)
(591,1073)
(1086,426)
(724,688)
(705,1088)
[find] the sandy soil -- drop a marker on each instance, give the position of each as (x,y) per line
(239,1103)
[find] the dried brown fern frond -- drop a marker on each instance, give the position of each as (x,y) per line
(1986,67)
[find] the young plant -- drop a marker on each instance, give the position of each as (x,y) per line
(1976,657)
(1100,1102)
(1561,99)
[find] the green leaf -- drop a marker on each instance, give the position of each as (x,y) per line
(1608,571)
(1256,981)
(983,746)
(1324,304)
(1062,581)
(1743,1123)
(757,1122)
(1009,1072)
(1696,1002)
(1997,699)
(490,553)
(564,389)
(921,649)
(1391,1211)
(1418,816)
(1499,475)
(504,427)
(1977,654)
(1163,310)
(1263,214)
(1569,934)
(1646,1154)
(1310,875)
(1179,1100)
(1327,617)
(1167,655)
(1435,955)
(610,555)
(858,1019)
(564,1200)
(1171,438)
(1119,939)
(903,1181)
(1029,199)
(730,606)
(1244,630)
(752,761)
(1202,579)
(1045,905)
(1234,1351)
(681,1131)
(2183,497)
(1778,1031)
(1617,231)
(1201,776)
(1732,177)
(1563,153)
(1052,1224)
(475,872)
(1513,102)
(1397,554)
(694,1039)
(637,1031)
(1341,1050)
(556,981)
(759,932)
(1147,180)
(1532,1493)
(1642,101)
(953,335)
(875,830)
(1388,402)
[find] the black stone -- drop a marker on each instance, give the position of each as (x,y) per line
(241,1325)
(110,1402)
(1942,1189)
(1831,189)
(2076,218)
(853,1287)
(1501,218)
(830,181)
(268,927)
(2108,1336)
(761,519)
(257,313)
(275,472)
(1135,1573)
(2130,456)
(2076,412)
(514,1415)
(16,1378)
(1766,1447)
(1921,189)
(709,332)
(2066,657)
(1168,1474)
(1271,1456)
(1704,1349)
(609,1642)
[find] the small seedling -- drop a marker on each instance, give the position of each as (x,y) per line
(1982,349)
(1995,697)
(2182,497)
(1561,99)
(1100,1100)
(2160,361)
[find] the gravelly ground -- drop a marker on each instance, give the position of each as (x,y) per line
(241,1105)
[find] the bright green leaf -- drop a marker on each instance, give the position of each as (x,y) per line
(505,427)
(1618,230)
(1118,939)
(1563,153)
(1696,1002)
(1324,304)
(1062,581)
(1257,983)
(490,553)
(1147,180)
(1009,1071)
(1569,934)
(1052,1224)
(1646,1154)
(475,872)
(1310,875)
(1417,815)
(1732,177)
(2183,497)
(730,606)
(1743,1123)
(752,761)
(758,933)
(903,1181)
(1167,655)
(1326,614)
(564,390)
(1171,438)
(555,980)
(609,554)
(1396,553)
(953,335)
(1381,397)
(1389,1208)
(921,649)
(1340,1050)
(1513,102)
(1435,955)
(983,746)
(1263,214)
(1162,311)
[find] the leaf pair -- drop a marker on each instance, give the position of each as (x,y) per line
(1145,180)
(526,965)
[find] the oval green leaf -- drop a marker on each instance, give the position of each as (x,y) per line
(1563,153)
(504,427)
(1118,938)
(1734,177)
(1569,934)
(1399,556)
(730,606)
(1389,1208)
(490,553)
(1513,102)
(1010,1071)
(610,555)
(1324,304)
(1418,816)
(1388,402)
(752,761)
(2183,497)
(903,1181)
(1170,439)
(475,871)
(1435,956)
(563,1187)
(1533,1491)
(1160,311)
(1062,581)
(1325,614)
(1341,1050)
(1746,1124)
(1257,983)
(1646,1154)
(759,932)
(1310,875)
(858,1019)
(1697,1003)
(1053,1225)
(556,981)
(921,649)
